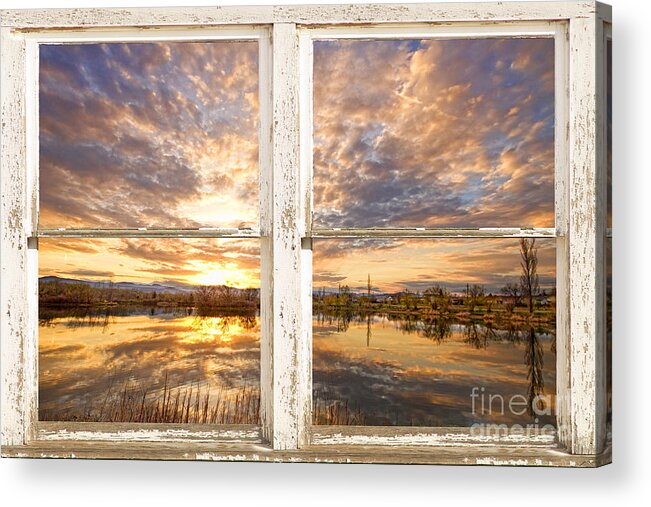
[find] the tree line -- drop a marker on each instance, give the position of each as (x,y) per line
(67,294)
(525,293)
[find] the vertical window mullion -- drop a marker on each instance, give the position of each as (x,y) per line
(561,208)
(286,400)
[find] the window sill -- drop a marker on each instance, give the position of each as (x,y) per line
(331,444)
(241,451)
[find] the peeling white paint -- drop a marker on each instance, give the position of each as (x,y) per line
(301,14)
(422,232)
(286,392)
(432,439)
(143,232)
(211,456)
(498,461)
(587,228)
(17,371)
(146,435)
(498,456)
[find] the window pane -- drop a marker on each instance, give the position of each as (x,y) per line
(149,330)
(437,133)
(433,333)
(149,135)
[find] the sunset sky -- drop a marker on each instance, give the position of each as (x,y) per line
(406,133)
(452,133)
(456,133)
(233,262)
(149,135)
(417,264)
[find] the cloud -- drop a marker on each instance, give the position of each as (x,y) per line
(433,133)
(146,134)
(80,246)
(91,273)
(328,277)
(398,373)
(143,352)
(149,260)
(437,133)
(417,264)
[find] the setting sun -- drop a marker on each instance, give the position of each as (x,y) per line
(227,274)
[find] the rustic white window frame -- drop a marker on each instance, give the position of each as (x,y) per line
(285,35)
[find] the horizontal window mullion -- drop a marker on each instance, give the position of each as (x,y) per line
(206,232)
(424,232)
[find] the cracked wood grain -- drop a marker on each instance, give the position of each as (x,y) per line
(299,14)
(285,399)
(459,455)
(587,228)
(17,366)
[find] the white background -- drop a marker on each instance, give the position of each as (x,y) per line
(627,481)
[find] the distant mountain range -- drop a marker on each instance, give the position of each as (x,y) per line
(141,287)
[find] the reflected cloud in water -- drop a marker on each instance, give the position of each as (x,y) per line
(85,356)
(411,371)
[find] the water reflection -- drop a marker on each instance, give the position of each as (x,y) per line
(91,358)
(382,369)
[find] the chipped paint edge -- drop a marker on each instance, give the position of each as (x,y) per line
(460,455)
(432,439)
(586,229)
(301,14)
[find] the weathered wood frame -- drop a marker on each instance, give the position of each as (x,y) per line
(285,233)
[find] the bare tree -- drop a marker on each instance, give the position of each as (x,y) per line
(409,300)
(533,358)
(475,296)
(251,295)
(367,302)
(204,296)
(225,294)
(430,297)
(489,303)
(529,265)
(514,294)
(344,296)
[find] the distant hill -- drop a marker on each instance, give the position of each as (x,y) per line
(141,287)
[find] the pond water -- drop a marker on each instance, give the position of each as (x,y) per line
(142,364)
(431,372)
(105,364)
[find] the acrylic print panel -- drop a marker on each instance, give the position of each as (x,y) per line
(161,331)
(149,135)
(434,332)
(437,133)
